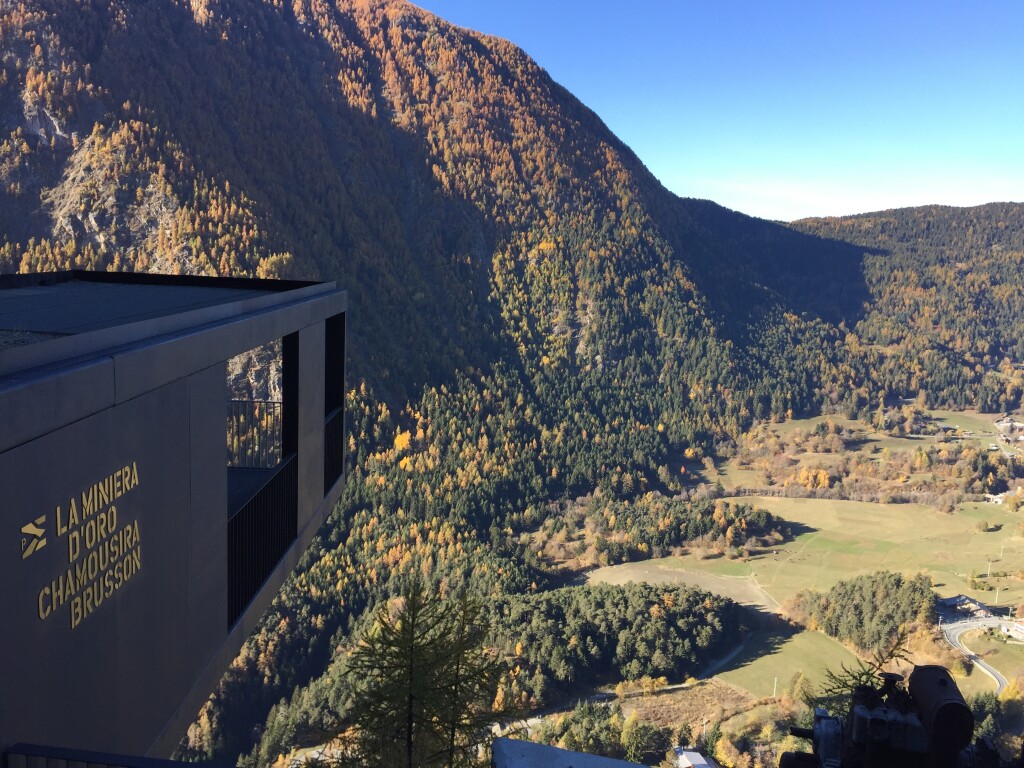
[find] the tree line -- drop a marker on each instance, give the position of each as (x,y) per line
(869,611)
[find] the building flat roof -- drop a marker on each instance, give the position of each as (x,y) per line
(85,341)
(50,318)
(78,306)
(513,753)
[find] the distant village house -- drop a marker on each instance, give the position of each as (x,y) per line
(1015,630)
(963,605)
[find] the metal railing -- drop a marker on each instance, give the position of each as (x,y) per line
(254,433)
(259,534)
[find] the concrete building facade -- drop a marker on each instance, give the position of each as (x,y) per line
(142,548)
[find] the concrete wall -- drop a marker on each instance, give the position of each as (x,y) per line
(126,669)
(117,611)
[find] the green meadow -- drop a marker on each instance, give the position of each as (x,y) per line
(1007,657)
(772,659)
(835,540)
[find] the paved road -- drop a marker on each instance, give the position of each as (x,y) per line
(954,630)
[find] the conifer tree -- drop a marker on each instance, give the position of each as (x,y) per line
(396,691)
(424,683)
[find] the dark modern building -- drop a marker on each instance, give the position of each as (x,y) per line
(149,514)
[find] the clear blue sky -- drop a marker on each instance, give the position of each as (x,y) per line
(786,109)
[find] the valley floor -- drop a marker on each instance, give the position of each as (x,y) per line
(975,550)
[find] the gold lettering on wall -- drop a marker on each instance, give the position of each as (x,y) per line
(104,552)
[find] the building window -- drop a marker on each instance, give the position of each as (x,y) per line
(262,465)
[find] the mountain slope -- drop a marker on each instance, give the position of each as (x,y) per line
(515,275)
(533,316)
(946,308)
(951,274)
(423,166)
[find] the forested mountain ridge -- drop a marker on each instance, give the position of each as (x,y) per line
(533,316)
(946,303)
(432,170)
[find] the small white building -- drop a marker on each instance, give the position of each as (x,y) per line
(1015,630)
(688,759)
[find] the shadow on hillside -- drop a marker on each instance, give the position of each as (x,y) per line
(257,104)
(798,529)
(791,530)
(770,634)
(749,267)
(859,443)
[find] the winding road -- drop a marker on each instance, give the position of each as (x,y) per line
(954,630)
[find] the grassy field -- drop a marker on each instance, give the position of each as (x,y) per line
(768,653)
(975,682)
(1008,658)
(982,424)
(707,701)
(724,577)
(846,538)
(839,539)
(786,428)
(731,476)
(836,540)
(781,655)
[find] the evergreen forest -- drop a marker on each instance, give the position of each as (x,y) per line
(541,335)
